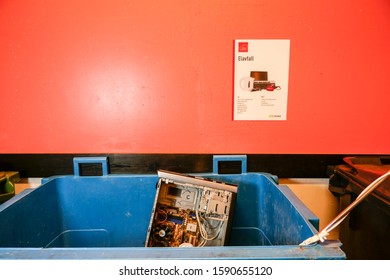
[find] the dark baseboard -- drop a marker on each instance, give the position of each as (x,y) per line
(281,165)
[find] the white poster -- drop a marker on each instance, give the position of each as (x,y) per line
(261,79)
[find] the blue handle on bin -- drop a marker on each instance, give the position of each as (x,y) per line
(219,158)
(80,160)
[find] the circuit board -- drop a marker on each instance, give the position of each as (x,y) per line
(190,215)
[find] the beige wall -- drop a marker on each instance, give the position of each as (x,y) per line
(315,195)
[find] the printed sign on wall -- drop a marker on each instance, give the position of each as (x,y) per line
(261,79)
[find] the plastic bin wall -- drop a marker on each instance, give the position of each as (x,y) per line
(107,217)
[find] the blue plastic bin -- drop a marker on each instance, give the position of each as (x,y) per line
(107,217)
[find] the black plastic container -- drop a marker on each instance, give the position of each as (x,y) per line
(365,232)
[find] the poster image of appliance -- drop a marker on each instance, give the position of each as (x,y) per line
(258,80)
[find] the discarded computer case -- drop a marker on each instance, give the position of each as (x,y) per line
(190,211)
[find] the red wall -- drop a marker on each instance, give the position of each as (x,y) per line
(156,76)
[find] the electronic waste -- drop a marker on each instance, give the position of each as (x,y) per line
(190,211)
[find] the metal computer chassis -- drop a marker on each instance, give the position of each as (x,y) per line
(190,211)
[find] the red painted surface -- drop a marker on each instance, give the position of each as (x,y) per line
(156,76)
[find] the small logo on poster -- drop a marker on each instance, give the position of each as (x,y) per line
(243,47)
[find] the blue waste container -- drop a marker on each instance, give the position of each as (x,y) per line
(107,217)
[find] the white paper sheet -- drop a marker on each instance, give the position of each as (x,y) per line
(261,79)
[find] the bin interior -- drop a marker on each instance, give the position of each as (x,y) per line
(114,211)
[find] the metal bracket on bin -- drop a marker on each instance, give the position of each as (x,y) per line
(90,160)
(218,158)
